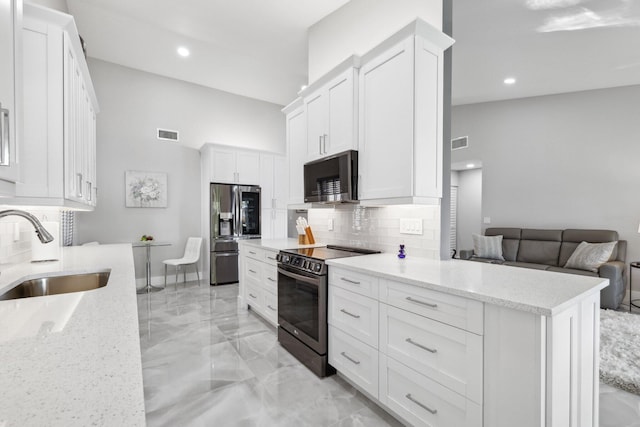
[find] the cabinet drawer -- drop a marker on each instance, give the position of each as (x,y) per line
(355,360)
(355,314)
(450,309)
(252,269)
(270,278)
(254,295)
(271,307)
(270,257)
(448,355)
(422,401)
(255,253)
(359,283)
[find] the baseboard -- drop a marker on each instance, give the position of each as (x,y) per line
(171,279)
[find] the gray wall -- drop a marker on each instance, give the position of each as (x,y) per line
(469,215)
(132,105)
(559,161)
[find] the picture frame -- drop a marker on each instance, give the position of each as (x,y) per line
(145,189)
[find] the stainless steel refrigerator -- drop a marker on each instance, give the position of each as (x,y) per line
(234,215)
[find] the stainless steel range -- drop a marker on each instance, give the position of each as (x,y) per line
(302,302)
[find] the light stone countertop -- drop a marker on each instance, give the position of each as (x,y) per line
(72,359)
(535,291)
(278,244)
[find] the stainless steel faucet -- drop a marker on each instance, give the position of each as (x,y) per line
(41,232)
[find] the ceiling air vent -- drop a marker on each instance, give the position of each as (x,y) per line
(168,135)
(458,143)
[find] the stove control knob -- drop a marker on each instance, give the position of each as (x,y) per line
(284,259)
(317,267)
(278,257)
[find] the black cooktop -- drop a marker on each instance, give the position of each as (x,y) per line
(330,252)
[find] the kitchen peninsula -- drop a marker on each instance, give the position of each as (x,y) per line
(467,344)
(72,359)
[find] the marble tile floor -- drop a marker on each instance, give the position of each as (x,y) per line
(206,363)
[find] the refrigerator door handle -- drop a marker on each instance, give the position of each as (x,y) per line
(222,254)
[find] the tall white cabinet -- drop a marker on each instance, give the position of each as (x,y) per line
(60,107)
(400,136)
(296,150)
(10,93)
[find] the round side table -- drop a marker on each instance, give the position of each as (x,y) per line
(633,265)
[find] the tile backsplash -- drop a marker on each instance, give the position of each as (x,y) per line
(378,228)
(16,232)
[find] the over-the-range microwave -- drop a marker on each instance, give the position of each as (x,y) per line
(332,179)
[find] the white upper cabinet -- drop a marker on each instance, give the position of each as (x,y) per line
(58,164)
(10,49)
(331,115)
(296,150)
(274,183)
(230,165)
(400,126)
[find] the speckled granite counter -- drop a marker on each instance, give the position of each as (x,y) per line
(539,292)
(72,359)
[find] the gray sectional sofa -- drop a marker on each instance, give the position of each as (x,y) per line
(550,249)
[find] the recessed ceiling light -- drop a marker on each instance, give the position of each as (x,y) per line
(509,81)
(470,165)
(183,51)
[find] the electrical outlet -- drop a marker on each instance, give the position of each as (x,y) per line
(330,224)
(411,226)
(487,220)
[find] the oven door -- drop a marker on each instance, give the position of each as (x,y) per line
(302,307)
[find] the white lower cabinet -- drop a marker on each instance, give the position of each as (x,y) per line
(354,359)
(259,281)
(418,352)
(422,401)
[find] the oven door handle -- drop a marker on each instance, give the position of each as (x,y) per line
(307,279)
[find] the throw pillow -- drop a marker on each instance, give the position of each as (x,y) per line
(488,246)
(590,256)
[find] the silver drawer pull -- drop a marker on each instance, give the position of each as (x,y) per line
(252,296)
(252,253)
(271,307)
(252,271)
(270,279)
(422,405)
(430,350)
(428,304)
(344,279)
(271,258)
(349,314)
(349,359)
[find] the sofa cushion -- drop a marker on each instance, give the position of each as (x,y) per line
(590,256)
(571,238)
(540,246)
(573,271)
(510,240)
(527,265)
(487,246)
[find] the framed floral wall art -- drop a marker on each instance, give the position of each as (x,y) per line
(145,189)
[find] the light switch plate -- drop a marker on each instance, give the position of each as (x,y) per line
(411,226)
(487,220)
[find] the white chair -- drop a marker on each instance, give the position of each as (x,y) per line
(191,256)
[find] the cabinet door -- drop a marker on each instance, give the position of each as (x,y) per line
(316,112)
(267,180)
(223,167)
(73,150)
(342,116)
(280,182)
(386,124)
(9,21)
(248,168)
(279,227)
(297,151)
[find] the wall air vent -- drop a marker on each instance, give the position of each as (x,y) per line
(168,135)
(458,143)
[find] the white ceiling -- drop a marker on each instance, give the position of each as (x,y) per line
(254,48)
(258,48)
(549,46)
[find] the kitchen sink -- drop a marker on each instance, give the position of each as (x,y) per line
(57,285)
